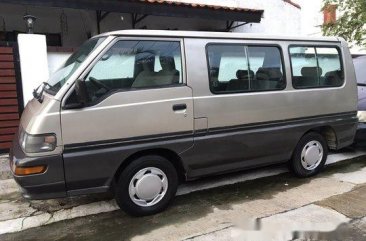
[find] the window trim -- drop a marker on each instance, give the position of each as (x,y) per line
(246,45)
(87,70)
(317,61)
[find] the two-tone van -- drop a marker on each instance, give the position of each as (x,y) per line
(135,112)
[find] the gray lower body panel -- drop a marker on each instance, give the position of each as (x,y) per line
(223,150)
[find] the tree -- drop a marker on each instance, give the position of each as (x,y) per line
(351,24)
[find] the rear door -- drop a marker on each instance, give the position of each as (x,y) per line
(138,97)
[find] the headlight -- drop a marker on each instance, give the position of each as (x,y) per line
(361,116)
(37,143)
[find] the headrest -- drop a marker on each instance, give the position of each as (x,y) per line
(167,62)
(273,73)
(311,71)
(244,74)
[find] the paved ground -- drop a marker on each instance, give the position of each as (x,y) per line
(231,207)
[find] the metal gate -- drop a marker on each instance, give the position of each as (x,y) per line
(11,97)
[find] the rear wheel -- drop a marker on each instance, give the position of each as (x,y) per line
(310,155)
(146,186)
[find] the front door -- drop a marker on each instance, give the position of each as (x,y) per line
(138,100)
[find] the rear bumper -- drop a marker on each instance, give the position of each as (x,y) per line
(50,184)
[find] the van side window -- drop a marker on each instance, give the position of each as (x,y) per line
(266,63)
(239,68)
(314,67)
(134,65)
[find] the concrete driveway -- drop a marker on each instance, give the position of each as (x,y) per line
(263,204)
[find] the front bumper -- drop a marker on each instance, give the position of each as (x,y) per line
(50,184)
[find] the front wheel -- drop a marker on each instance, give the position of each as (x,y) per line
(146,186)
(310,155)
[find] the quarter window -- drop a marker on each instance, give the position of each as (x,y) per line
(314,67)
(240,68)
(135,65)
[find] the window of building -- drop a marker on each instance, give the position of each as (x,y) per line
(135,65)
(240,68)
(314,67)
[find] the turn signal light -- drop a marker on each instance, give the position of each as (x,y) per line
(23,171)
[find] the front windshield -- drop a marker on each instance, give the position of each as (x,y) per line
(59,78)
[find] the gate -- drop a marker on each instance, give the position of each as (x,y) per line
(11,97)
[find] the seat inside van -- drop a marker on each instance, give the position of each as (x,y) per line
(168,74)
(241,82)
(148,77)
(333,78)
(309,77)
(268,78)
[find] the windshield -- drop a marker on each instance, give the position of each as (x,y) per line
(59,78)
(360,69)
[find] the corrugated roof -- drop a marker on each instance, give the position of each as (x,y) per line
(200,5)
(170,8)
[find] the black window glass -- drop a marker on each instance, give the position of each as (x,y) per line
(240,68)
(314,67)
(266,65)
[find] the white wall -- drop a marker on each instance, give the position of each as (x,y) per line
(280,18)
(312,17)
(33,62)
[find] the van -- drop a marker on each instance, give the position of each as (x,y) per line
(360,63)
(135,112)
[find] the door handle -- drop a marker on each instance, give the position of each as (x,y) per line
(178,107)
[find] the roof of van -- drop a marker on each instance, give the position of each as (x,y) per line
(203,34)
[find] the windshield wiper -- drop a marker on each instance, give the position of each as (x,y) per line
(38,95)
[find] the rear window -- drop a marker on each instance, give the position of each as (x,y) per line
(314,67)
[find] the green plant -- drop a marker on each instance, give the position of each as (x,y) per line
(351,22)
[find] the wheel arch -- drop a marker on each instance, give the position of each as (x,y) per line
(328,133)
(170,155)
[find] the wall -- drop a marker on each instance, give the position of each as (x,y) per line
(33,62)
(280,18)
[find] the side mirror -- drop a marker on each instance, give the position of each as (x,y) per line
(81,92)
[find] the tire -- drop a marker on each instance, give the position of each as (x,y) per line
(309,156)
(141,188)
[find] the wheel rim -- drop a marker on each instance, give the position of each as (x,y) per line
(312,155)
(148,186)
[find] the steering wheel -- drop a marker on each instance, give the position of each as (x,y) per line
(98,84)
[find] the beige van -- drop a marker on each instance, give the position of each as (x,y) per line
(135,112)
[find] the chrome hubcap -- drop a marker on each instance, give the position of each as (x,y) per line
(312,155)
(148,186)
